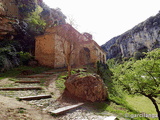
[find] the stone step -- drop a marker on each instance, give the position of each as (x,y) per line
(21,88)
(27,81)
(37,76)
(48,73)
(38,97)
(66,108)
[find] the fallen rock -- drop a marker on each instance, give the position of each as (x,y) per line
(88,87)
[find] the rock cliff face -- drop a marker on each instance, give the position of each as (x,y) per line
(52,16)
(141,38)
(20,22)
(34,13)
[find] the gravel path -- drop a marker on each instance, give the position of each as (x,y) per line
(50,104)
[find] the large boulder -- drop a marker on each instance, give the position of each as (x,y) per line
(88,87)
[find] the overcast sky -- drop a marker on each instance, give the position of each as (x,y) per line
(105,19)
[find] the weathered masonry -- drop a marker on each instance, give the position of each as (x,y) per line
(50,47)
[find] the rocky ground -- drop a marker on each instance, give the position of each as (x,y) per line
(12,109)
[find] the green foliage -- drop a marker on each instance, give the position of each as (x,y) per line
(73,72)
(36,24)
(138,55)
(60,83)
(140,77)
(21,110)
(114,91)
(13,79)
(25,57)
(112,63)
(8,57)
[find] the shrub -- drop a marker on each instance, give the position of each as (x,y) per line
(138,55)
(8,58)
(25,57)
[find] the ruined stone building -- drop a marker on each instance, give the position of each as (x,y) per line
(50,47)
(58,38)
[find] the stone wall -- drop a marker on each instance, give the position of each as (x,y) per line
(59,56)
(85,51)
(45,50)
(96,52)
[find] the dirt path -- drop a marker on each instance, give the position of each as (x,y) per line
(11,109)
(52,87)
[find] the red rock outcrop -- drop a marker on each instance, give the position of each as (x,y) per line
(88,87)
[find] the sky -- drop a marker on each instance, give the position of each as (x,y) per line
(105,19)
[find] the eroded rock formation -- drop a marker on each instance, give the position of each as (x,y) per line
(87,87)
(141,38)
(20,22)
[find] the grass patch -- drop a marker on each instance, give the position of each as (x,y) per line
(42,81)
(13,79)
(134,108)
(142,104)
(60,84)
(17,71)
(2,78)
(122,112)
(21,110)
(61,80)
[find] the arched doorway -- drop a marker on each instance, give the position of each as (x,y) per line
(84,56)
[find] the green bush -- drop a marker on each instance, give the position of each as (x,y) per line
(25,57)
(8,57)
(138,55)
(115,92)
(106,74)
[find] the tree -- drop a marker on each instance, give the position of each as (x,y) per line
(69,38)
(141,77)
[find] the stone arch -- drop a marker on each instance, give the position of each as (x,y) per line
(84,56)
